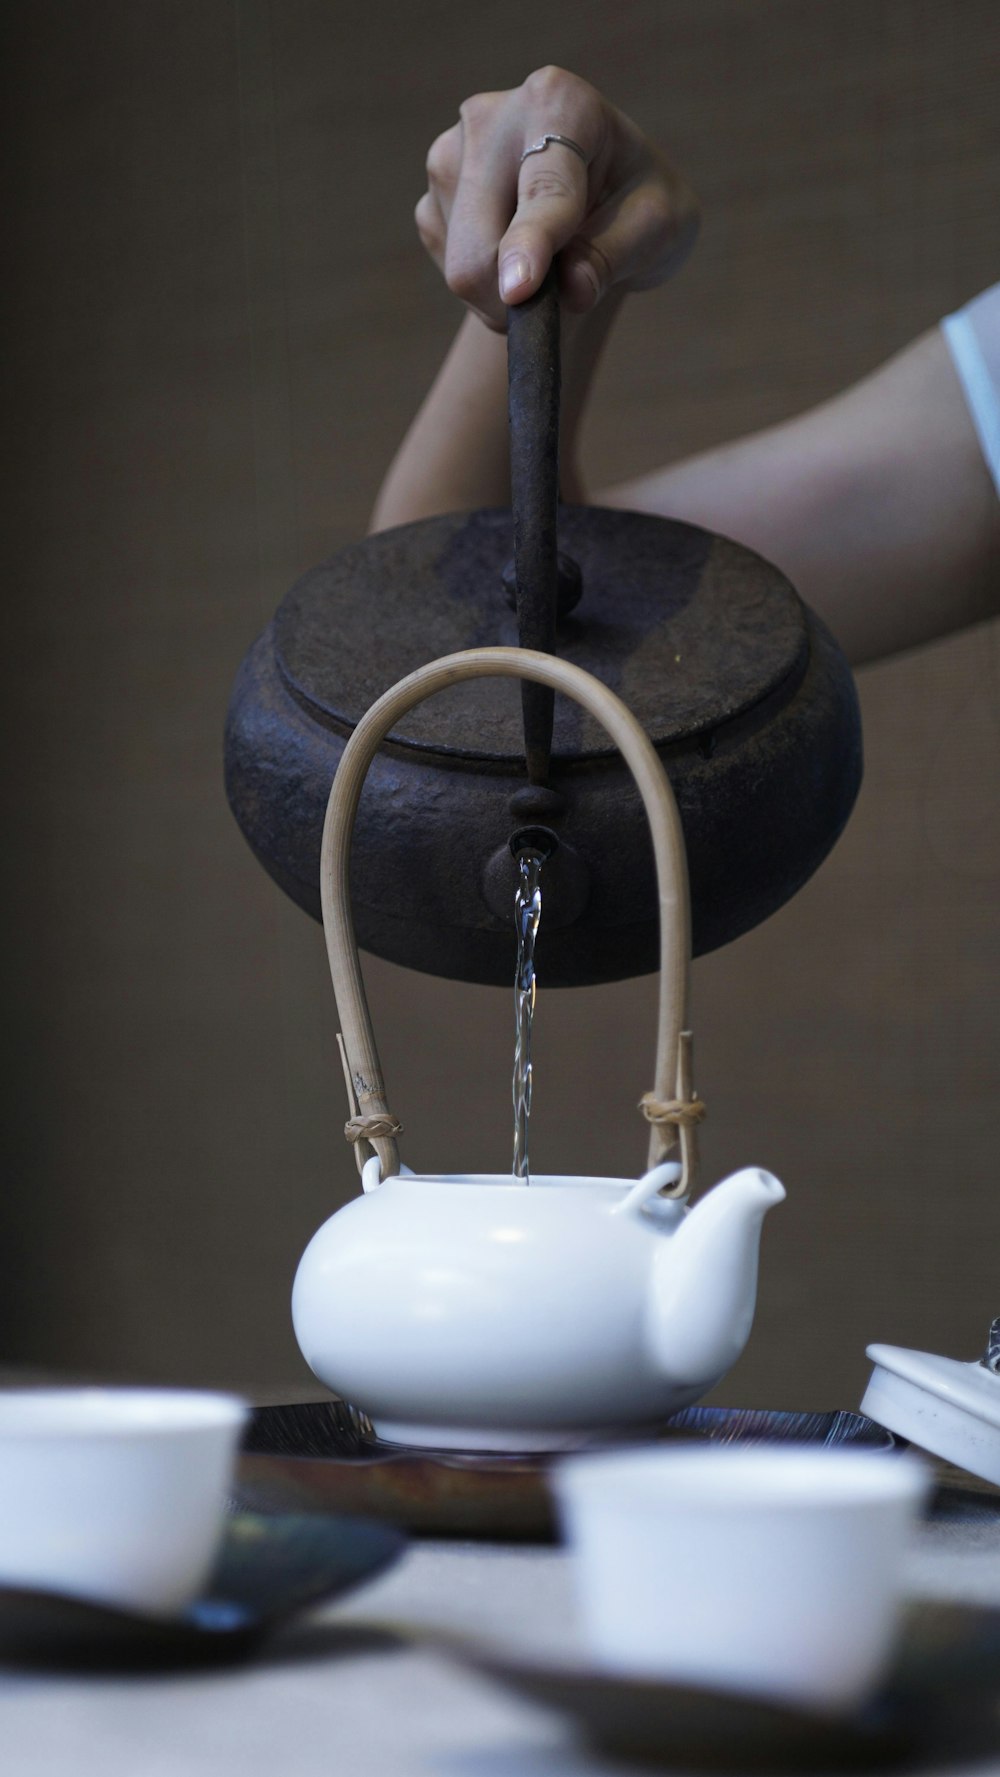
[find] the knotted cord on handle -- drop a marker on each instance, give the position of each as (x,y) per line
(367,1128)
(677,1118)
(672,1111)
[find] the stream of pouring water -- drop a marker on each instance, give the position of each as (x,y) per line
(527,912)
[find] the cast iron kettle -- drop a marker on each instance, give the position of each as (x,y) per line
(745,695)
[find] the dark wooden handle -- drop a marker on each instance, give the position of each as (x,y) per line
(533,411)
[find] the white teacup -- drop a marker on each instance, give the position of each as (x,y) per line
(115,1494)
(769,1570)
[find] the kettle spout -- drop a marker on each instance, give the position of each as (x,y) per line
(703,1289)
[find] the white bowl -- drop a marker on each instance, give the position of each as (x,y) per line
(115,1494)
(771,1571)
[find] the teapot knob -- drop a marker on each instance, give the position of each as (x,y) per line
(569,584)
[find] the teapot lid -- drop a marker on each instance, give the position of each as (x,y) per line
(942,1404)
(692,631)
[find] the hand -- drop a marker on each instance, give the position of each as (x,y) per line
(492,223)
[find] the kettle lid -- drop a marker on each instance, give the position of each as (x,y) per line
(745,696)
(694,632)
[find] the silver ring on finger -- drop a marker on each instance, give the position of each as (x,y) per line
(540,146)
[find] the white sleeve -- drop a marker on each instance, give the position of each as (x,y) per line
(973,337)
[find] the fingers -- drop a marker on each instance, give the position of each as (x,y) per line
(466,206)
(555,186)
(552,202)
(493,217)
(504,217)
(480,211)
(432,228)
(636,238)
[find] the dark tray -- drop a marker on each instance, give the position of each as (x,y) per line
(936,1708)
(324,1456)
(271,1569)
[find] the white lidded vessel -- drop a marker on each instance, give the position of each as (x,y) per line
(477,1311)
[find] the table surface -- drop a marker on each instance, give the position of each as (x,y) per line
(317,1703)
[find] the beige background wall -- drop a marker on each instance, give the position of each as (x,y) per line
(218,324)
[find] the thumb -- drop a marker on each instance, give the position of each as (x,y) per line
(551,205)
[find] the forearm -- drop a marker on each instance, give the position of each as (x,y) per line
(877,505)
(455,456)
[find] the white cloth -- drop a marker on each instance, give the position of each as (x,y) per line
(973,337)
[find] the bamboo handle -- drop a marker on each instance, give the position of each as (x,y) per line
(671,1081)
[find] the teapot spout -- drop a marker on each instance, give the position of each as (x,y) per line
(703,1290)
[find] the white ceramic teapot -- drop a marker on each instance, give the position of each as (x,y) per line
(482,1311)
